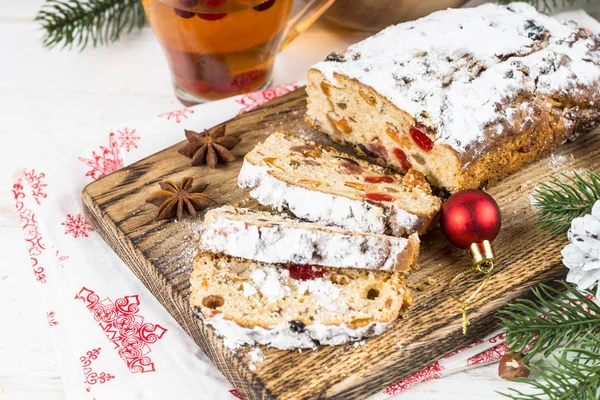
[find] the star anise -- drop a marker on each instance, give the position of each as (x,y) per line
(209,148)
(173,200)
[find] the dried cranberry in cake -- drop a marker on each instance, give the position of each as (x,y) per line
(264,6)
(212,16)
(305,272)
(402,159)
(368,152)
(378,148)
(348,166)
(417,133)
(379,179)
(378,197)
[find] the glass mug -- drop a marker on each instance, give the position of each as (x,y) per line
(220,48)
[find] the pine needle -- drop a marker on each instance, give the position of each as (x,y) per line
(69,23)
(563,328)
(560,201)
(553,319)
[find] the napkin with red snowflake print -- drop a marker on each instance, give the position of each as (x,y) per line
(114,340)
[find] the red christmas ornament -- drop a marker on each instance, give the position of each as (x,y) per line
(470,216)
(470,219)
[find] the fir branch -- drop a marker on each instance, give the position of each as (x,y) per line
(561,201)
(69,23)
(553,319)
(574,374)
(543,5)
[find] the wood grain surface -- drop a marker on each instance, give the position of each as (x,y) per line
(160,254)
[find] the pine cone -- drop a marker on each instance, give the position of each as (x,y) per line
(582,255)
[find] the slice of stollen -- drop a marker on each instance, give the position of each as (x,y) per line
(249,302)
(323,185)
(264,237)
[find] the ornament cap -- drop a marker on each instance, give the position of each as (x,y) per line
(482,253)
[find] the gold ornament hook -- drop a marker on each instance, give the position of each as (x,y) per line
(482,257)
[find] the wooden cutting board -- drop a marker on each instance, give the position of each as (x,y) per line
(161,253)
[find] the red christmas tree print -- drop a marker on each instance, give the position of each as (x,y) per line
(91,377)
(37,186)
(124,328)
(77,226)
(177,115)
(252,100)
(107,160)
(128,139)
(432,371)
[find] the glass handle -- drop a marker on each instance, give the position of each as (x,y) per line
(304,19)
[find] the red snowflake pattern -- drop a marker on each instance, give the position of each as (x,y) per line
(235,393)
(128,139)
(432,371)
(255,99)
(106,161)
(124,328)
(51,318)
(476,343)
(177,115)
(91,377)
(31,233)
(37,186)
(77,226)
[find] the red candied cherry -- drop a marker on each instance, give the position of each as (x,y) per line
(264,6)
(212,16)
(402,159)
(379,179)
(184,14)
(305,272)
(378,197)
(417,133)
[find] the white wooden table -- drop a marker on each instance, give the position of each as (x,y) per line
(50,97)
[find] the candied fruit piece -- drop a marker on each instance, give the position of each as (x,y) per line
(393,133)
(213,301)
(402,159)
(368,152)
(310,183)
(326,88)
(378,196)
(415,178)
(350,167)
(417,133)
(305,272)
(341,124)
(368,97)
(270,161)
(379,179)
(307,150)
(356,185)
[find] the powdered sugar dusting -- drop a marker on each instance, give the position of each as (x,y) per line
(464,68)
(270,238)
(324,291)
